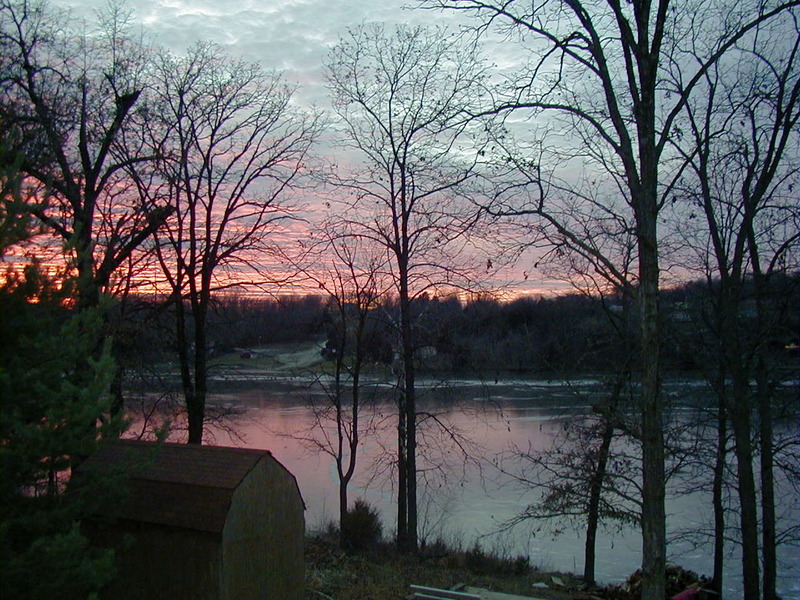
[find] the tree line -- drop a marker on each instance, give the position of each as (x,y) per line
(630,143)
(550,337)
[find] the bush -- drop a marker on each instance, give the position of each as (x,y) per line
(678,579)
(361,528)
(483,563)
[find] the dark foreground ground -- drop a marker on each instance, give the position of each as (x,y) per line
(383,574)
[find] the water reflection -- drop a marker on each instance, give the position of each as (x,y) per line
(469,498)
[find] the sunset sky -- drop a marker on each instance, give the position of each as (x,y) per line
(293,36)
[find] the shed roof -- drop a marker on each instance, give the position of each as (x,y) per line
(181,485)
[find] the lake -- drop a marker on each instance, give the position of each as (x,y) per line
(468,490)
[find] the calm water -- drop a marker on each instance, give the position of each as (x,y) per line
(466,497)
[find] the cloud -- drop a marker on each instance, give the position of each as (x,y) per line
(292,36)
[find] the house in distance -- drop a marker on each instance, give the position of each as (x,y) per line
(200,522)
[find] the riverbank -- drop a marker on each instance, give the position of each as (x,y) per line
(384,574)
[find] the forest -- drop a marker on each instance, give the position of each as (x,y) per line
(165,208)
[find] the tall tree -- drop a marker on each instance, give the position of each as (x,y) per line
(740,142)
(68,97)
(233,148)
(595,71)
(403,99)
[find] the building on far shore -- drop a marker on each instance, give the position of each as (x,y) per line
(200,522)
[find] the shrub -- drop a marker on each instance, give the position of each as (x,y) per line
(483,563)
(678,579)
(361,528)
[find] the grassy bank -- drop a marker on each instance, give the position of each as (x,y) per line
(382,573)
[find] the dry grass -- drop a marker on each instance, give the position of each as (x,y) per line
(383,574)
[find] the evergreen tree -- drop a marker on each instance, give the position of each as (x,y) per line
(51,393)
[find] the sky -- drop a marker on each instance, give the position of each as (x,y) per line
(294,37)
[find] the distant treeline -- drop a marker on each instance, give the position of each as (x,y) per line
(560,334)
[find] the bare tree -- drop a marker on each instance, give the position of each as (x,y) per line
(403,99)
(234,148)
(69,97)
(353,277)
(595,70)
(587,478)
(740,142)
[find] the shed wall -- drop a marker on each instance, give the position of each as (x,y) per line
(262,542)
(156,561)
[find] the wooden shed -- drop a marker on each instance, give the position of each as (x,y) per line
(201,522)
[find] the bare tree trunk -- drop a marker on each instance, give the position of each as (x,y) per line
(741,420)
(768,535)
(593,512)
(344,532)
(408,541)
(718,484)
(191,371)
(116,392)
(404,100)
(346,473)
(196,410)
(766,450)
(411,464)
(654,536)
(402,433)
(88,289)
(210,160)
(409,385)
(402,441)
(402,476)
(182,335)
(344,480)
(598,478)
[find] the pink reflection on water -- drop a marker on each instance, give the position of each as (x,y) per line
(469,501)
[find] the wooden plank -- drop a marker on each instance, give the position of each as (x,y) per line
(429,593)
